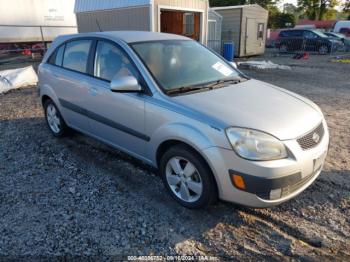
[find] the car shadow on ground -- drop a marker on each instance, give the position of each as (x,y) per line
(245,231)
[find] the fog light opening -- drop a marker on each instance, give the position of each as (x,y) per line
(238,181)
(275,194)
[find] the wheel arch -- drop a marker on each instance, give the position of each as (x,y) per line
(167,144)
(45,98)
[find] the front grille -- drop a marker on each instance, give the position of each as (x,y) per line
(311,139)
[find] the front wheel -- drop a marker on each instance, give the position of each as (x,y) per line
(188,178)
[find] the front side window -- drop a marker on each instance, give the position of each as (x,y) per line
(111,62)
(183,63)
(309,35)
(76,55)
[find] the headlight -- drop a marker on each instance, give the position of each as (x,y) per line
(255,145)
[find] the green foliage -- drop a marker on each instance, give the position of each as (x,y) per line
(316,9)
(226,2)
(263,3)
(281,20)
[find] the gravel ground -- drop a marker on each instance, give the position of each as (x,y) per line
(76,196)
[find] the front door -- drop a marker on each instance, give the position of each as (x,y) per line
(116,118)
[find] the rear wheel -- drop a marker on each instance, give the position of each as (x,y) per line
(187,177)
(323,50)
(283,48)
(54,119)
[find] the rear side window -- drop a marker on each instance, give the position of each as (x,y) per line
(297,33)
(284,34)
(76,55)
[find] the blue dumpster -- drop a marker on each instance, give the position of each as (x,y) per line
(229,51)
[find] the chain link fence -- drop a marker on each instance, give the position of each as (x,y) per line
(29,45)
(215,45)
(20,55)
(314,45)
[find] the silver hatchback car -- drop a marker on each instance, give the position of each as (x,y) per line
(169,101)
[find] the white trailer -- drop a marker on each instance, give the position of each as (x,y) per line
(24,21)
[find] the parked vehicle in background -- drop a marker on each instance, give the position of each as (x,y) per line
(340,37)
(306,40)
(342,26)
(210,130)
(345,31)
(272,36)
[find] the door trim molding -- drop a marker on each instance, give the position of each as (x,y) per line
(77,109)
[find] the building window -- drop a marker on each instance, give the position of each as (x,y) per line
(260,30)
(188,24)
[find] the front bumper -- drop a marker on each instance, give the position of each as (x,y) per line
(291,175)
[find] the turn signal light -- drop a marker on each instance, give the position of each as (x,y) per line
(238,181)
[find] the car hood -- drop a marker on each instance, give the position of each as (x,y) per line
(257,105)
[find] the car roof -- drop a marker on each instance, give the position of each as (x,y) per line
(130,36)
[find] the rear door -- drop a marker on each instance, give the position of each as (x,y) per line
(69,67)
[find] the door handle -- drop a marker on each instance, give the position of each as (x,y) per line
(93,91)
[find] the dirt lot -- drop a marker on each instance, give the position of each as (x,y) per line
(76,196)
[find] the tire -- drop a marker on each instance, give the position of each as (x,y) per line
(54,119)
(195,177)
(323,50)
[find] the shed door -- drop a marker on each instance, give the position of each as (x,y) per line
(251,36)
(181,23)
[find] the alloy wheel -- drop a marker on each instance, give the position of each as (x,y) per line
(323,50)
(183,179)
(53,118)
(283,48)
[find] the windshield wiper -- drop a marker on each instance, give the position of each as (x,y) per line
(210,86)
(220,83)
(183,89)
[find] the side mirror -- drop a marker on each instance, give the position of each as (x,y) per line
(234,65)
(125,84)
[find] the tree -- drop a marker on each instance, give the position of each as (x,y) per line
(280,20)
(226,2)
(263,3)
(289,8)
(316,9)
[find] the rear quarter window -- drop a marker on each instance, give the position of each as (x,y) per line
(57,56)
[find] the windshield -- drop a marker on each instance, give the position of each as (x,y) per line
(319,33)
(182,63)
(337,35)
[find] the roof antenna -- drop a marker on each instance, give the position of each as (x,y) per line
(98,25)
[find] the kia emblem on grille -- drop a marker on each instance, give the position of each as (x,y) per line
(316,137)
